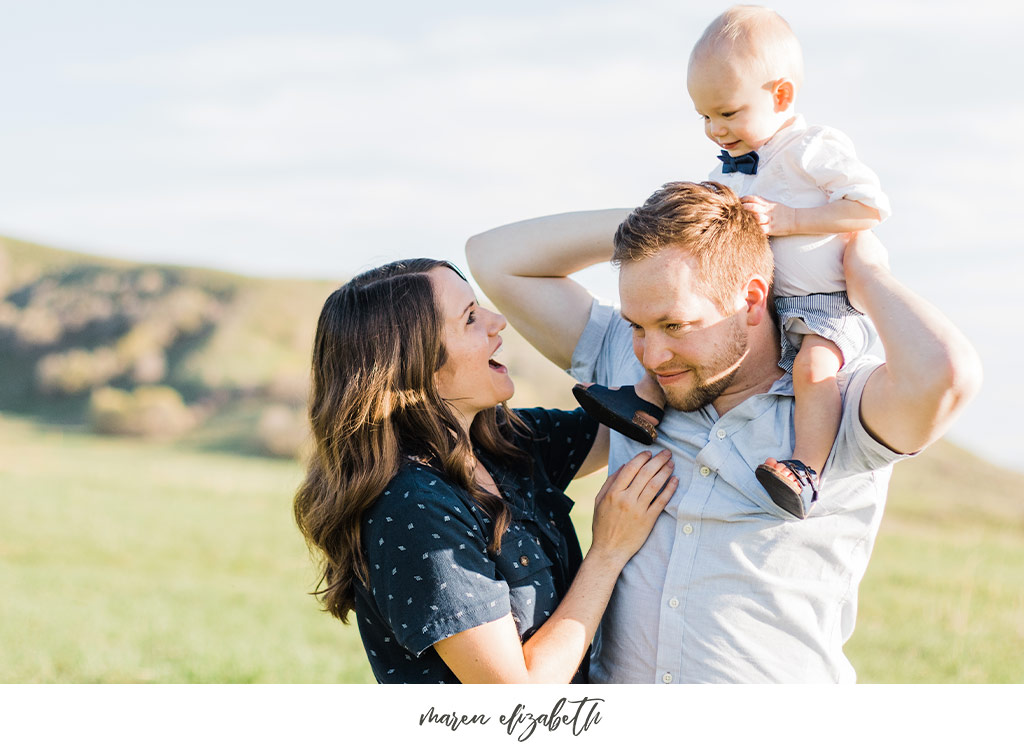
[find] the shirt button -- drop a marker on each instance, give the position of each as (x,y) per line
(688,529)
(673,602)
(523,560)
(667,678)
(704,471)
(721,434)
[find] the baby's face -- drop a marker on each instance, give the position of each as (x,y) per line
(739,112)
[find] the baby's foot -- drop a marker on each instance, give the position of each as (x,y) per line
(786,482)
(621,409)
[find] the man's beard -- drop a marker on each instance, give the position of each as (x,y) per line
(723,364)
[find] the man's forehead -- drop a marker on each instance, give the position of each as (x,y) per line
(661,287)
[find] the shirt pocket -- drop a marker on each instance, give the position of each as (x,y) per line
(527,570)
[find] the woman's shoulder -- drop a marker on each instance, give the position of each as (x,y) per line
(419,491)
(542,423)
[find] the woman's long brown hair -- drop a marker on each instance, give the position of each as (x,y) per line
(374,405)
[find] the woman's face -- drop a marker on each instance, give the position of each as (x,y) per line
(470,379)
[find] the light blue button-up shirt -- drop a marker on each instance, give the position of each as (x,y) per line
(729,587)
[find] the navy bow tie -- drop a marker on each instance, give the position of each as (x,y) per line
(745,163)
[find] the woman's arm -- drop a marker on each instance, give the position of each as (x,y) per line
(624,513)
(597,458)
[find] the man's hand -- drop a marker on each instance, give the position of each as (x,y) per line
(775,219)
(863,259)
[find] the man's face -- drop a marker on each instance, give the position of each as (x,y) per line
(680,336)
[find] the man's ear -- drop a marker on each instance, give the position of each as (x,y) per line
(783,94)
(756,300)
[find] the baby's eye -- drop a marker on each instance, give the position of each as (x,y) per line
(471,318)
(729,114)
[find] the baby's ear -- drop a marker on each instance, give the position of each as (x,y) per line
(783,94)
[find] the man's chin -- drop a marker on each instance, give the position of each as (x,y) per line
(699,396)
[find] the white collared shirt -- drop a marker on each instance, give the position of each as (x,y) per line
(808,166)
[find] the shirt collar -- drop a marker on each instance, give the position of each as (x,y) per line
(774,144)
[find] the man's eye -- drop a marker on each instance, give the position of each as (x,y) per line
(673,327)
(635,327)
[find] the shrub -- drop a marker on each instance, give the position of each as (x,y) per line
(38,327)
(283,431)
(148,411)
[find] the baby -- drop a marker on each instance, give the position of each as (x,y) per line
(806,187)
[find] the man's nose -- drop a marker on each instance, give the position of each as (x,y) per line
(654,353)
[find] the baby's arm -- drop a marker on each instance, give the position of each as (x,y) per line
(841,216)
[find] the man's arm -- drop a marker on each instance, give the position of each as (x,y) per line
(931,369)
(524,269)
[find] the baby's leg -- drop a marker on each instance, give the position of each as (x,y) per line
(649,389)
(819,406)
(815,421)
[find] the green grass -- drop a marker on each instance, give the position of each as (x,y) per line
(126,562)
(123,561)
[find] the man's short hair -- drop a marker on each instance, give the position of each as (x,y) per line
(707,221)
(756,38)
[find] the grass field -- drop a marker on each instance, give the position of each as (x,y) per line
(129,562)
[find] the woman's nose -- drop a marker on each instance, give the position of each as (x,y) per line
(498,322)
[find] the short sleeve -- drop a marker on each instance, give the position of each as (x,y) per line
(604,352)
(828,156)
(561,441)
(430,575)
(855,450)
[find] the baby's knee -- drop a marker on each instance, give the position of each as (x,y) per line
(817,362)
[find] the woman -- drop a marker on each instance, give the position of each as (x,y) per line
(438,512)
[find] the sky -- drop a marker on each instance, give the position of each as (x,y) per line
(317,139)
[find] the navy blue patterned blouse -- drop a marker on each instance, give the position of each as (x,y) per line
(426,545)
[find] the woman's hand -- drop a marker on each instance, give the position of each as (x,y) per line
(629,503)
(624,514)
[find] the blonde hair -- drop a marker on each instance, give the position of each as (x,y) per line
(755,38)
(707,221)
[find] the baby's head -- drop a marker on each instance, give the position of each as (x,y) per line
(743,77)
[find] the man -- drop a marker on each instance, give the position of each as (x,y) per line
(729,587)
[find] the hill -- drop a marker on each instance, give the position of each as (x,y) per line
(213,359)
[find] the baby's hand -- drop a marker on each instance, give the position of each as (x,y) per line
(775,219)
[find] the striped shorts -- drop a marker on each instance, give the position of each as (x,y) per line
(828,315)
